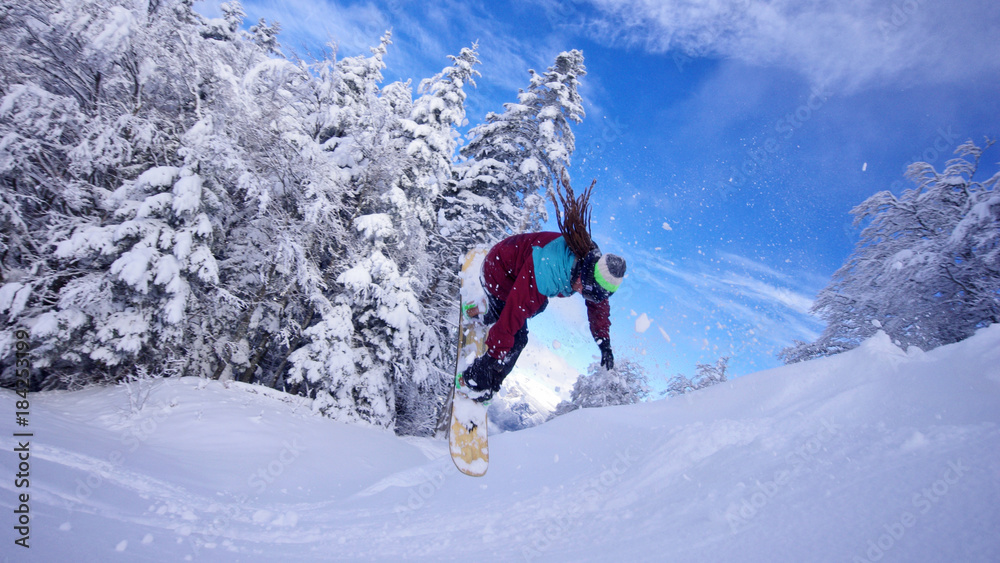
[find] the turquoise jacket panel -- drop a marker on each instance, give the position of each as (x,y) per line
(554,268)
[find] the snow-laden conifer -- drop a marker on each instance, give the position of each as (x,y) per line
(115,230)
(519,152)
(927,268)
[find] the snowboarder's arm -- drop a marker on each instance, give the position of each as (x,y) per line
(599,315)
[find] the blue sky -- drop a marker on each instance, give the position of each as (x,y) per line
(729,138)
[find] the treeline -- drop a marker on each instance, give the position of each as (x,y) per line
(180,197)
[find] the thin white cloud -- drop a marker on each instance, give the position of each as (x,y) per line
(770,293)
(752,265)
(736,291)
(845,45)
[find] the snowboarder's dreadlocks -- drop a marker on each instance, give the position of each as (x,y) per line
(574,220)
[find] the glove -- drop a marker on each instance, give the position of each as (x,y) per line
(607,356)
(483,376)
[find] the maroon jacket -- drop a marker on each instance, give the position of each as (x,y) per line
(524,271)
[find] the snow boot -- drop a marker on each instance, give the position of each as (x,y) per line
(479,395)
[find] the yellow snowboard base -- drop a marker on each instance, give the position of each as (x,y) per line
(467,433)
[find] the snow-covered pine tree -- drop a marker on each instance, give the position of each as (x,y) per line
(269,166)
(431,135)
(147,264)
(517,153)
(433,121)
(927,268)
(266,35)
(349,381)
(189,152)
(115,236)
(375,281)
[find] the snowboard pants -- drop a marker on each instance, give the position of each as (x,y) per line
(495,306)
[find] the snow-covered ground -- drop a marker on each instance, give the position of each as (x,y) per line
(875,454)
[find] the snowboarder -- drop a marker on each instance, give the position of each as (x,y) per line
(521,273)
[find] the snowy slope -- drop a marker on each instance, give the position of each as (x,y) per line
(875,454)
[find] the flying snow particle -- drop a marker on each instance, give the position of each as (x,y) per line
(667,227)
(664,333)
(642,323)
(864,167)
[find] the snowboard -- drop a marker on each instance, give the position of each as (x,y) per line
(467,433)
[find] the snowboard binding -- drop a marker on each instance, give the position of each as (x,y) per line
(478,395)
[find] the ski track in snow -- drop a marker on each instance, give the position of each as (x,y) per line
(875,454)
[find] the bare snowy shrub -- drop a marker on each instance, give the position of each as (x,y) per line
(626,384)
(707,376)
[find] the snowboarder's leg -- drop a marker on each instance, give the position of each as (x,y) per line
(494,306)
(507,365)
(481,379)
(485,376)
